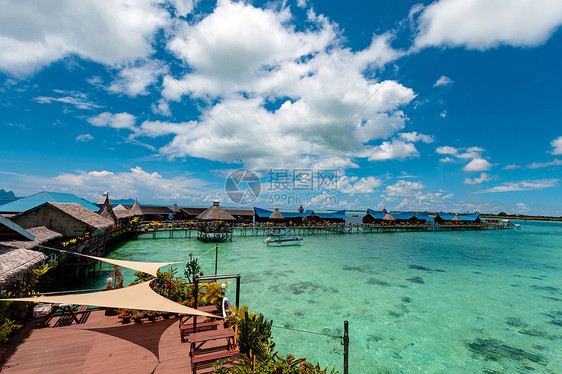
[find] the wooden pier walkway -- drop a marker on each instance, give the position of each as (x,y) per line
(186,233)
(101,345)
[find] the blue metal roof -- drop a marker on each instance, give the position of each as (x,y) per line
(470,217)
(265,213)
(423,216)
(39,198)
(375,214)
(402,216)
(339,214)
(10,231)
(465,218)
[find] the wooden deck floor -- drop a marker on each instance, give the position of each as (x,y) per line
(102,344)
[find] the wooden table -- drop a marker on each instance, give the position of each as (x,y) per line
(64,309)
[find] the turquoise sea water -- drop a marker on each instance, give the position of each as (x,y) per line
(435,302)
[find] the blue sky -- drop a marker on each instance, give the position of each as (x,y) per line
(448,105)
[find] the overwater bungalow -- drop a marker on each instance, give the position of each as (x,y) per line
(374,217)
(214,224)
(136,210)
(456,219)
(122,213)
(300,216)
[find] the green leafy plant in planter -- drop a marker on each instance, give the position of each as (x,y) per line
(7,327)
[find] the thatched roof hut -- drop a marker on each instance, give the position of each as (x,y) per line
(276,215)
(388,217)
(175,208)
(121,212)
(136,210)
(17,261)
(107,212)
(103,199)
(42,235)
(68,219)
(215,213)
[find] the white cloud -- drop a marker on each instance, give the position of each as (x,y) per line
(482,178)
(133,80)
(477,164)
(557,144)
(527,185)
(136,182)
(396,149)
(443,81)
(511,167)
(414,137)
(537,165)
(443,114)
(446,150)
(484,24)
(447,160)
(404,188)
(352,185)
(521,208)
(117,121)
(243,59)
(111,32)
(84,138)
(78,99)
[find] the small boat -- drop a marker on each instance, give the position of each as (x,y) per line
(283,239)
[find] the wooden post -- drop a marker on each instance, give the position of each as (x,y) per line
(238,292)
(195,294)
(345,346)
(216,258)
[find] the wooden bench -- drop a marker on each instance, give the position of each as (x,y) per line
(208,358)
(201,326)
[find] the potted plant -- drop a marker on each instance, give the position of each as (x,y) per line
(137,316)
(126,316)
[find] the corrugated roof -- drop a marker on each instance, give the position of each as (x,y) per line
(30,202)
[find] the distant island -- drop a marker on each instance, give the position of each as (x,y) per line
(7,196)
(503,215)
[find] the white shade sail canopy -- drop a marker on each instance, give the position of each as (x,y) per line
(146,267)
(139,296)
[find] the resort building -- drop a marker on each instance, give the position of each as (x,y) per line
(299,216)
(71,220)
(456,219)
(215,224)
(382,217)
(17,250)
